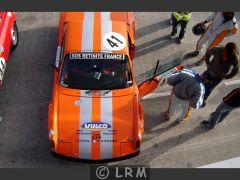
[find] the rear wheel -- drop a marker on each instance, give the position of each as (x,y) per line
(14,36)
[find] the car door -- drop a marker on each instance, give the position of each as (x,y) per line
(162,70)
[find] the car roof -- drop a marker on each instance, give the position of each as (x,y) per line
(86,30)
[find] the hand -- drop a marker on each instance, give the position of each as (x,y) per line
(163,81)
(156,79)
(201,23)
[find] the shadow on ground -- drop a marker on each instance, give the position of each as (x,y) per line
(24,102)
(164,146)
(153,45)
(152,28)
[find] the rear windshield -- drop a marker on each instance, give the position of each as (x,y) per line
(88,71)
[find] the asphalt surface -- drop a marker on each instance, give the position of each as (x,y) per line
(27,90)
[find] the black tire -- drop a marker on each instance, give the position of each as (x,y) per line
(14,36)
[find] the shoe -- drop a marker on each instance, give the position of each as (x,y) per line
(172,35)
(193,54)
(179,121)
(207,124)
(180,41)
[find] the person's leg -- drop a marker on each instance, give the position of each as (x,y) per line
(185,110)
(183,29)
(210,83)
(203,40)
(170,17)
(174,26)
(223,116)
(173,106)
(168,111)
(211,87)
(221,112)
(215,41)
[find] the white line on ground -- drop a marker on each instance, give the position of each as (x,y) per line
(156,95)
(233,82)
(230,163)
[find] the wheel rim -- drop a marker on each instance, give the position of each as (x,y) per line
(14,36)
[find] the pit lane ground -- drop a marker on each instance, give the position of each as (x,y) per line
(27,89)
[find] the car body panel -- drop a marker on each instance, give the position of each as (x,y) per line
(95,124)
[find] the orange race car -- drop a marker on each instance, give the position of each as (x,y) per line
(95,112)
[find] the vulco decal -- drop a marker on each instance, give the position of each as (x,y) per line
(95,126)
(2,67)
(114,41)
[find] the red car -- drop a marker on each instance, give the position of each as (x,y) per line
(8,39)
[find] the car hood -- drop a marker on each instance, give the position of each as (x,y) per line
(96,122)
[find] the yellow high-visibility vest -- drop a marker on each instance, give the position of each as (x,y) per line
(182,16)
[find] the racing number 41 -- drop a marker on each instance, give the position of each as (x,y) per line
(112,43)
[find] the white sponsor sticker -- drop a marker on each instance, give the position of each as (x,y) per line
(114,41)
(86,56)
(97,126)
(58,56)
(2,67)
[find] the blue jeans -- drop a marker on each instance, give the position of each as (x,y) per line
(222,111)
(210,83)
(175,24)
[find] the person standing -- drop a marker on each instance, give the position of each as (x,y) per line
(188,92)
(181,18)
(222,24)
(223,65)
(229,103)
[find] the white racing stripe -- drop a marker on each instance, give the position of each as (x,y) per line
(106,103)
(106,27)
(106,117)
(85,148)
(87,34)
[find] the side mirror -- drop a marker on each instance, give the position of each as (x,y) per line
(54,67)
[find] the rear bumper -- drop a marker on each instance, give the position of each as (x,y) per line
(126,149)
(90,161)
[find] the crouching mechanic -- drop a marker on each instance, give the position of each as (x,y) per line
(188,92)
(230,102)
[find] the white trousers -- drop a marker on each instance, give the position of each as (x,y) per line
(207,38)
(178,108)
